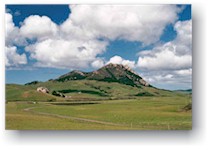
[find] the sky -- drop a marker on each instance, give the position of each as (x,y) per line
(45,41)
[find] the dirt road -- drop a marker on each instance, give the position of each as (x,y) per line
(30,109)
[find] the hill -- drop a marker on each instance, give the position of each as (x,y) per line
(188,91)
(109,73)
(109,82)
(81,90)
(113,97)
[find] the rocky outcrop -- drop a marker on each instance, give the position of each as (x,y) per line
(42,90)
(143,82)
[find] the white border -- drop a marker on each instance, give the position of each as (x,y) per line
(198,138)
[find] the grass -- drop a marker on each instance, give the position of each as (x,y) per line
(25,93)
(146,113)
(93,104)
(82,89)
(17,119)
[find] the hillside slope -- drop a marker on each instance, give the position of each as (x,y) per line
(109,73)
(81,90)
(109,82)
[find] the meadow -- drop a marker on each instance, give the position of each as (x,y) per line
(95,105)
(146,113)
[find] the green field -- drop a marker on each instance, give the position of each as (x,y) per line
(95,105)
(146,113)
(83,90)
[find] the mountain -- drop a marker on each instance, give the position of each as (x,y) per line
(109,73)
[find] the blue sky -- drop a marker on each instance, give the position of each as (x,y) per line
(128,49)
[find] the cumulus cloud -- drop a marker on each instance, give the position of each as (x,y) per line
(176,76)
(172,61)
(78,41)
(184,37)
(169,79)
(12,40)
(185,72)
(164,57)
(75,43)
(120,60)
(98,63)
(144,23)
(13,58)
(171,55)
(38,27)
(61,53)
(12,34)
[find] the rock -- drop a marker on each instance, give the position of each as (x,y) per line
(67,96)
(42,90)
(143,82)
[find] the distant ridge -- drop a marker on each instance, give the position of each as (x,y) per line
(184,91)
(33,83)
(109,73)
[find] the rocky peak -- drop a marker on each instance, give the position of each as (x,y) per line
(111,65)
(120,66)
(110,73)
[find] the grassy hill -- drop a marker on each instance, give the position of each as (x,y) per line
(109,73)
(111,98)
(16,92)
(95,105)
(82,90)
(112,81)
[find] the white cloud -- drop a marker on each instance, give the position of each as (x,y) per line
(185,72)
(13,38)
(176,79)
(144,23)
(13,58)
(61,53)
(164,58)
(184,37)
(12,34)
(98,63)
(170,63)
(120,60)
(38,27)
(173,55)
(9,23)
(75,43)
